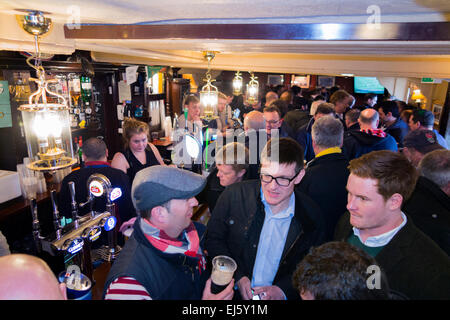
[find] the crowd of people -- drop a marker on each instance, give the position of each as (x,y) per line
(310,198)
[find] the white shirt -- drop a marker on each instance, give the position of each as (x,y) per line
(382,239)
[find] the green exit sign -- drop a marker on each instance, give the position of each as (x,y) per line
(431,80)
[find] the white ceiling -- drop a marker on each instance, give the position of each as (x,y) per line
(386,58)
(234,11)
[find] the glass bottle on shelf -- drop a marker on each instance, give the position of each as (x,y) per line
(74,91)
(86,88)
(61,87)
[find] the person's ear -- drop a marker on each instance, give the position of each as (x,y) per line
(159,214)
(299,177)
(63,289)
(241,173)
(395,201)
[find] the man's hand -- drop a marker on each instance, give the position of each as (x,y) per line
(245,288)
(269,293)
(225,294)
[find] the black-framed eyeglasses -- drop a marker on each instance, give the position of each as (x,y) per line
(281,181)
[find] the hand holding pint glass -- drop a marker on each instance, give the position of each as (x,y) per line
(223,269)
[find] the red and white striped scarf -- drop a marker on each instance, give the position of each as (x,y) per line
(189,245)
(375,132)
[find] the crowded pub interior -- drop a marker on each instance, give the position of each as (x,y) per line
(224,150)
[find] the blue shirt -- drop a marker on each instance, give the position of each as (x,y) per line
(271,243)
(440,139)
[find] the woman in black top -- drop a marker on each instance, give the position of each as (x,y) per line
(139,153)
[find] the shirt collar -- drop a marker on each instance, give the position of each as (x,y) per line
(97,163)
(382,239)
(329,151)
(287,213)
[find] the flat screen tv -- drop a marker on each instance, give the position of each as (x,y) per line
(368,85)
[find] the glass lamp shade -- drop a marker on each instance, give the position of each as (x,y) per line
(252,93)
(237,84)
(209,100)
(48,136)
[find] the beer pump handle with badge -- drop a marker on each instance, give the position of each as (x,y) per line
(74,204)
(36,226)
(112,234)
(56,223)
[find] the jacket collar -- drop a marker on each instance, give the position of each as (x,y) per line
(395,250)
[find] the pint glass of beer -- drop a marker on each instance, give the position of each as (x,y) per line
(223,268)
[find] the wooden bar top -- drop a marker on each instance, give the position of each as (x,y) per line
(20,203)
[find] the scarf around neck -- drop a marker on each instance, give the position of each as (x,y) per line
(375,132)
(188,243)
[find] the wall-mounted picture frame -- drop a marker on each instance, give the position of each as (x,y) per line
(275,80)
(325,81)
(437,111)
(300,81)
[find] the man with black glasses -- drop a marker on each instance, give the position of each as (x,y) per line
(266,226)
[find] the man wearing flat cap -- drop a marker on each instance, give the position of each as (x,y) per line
(163,258)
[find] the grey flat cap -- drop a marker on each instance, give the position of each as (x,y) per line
(156,185)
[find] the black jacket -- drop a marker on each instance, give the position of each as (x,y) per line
(429,208)
(353,127)
(325,182)
(413,263)
(235,226)
(358,143)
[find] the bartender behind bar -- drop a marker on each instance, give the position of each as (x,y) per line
(95,154)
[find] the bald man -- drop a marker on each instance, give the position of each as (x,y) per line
(368,138)
(270,97)
(254,120)
(254,126)
(25,277)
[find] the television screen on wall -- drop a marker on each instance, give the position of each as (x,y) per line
(368,85)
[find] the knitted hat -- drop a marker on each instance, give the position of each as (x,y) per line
(423,141)
(156,185)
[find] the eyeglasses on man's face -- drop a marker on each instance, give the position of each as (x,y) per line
(281,181)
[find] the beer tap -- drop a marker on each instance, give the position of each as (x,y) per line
(74,205)
(99,185)
(112,234)
(91,204)
(36,225)
(56,222)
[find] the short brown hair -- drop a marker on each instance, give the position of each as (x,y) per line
(131,127)
(352,115)
(392,170)
(222,96)
(190,98)
(272,108)
(94,149)
(239,159)
(339,96)
(289,152)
